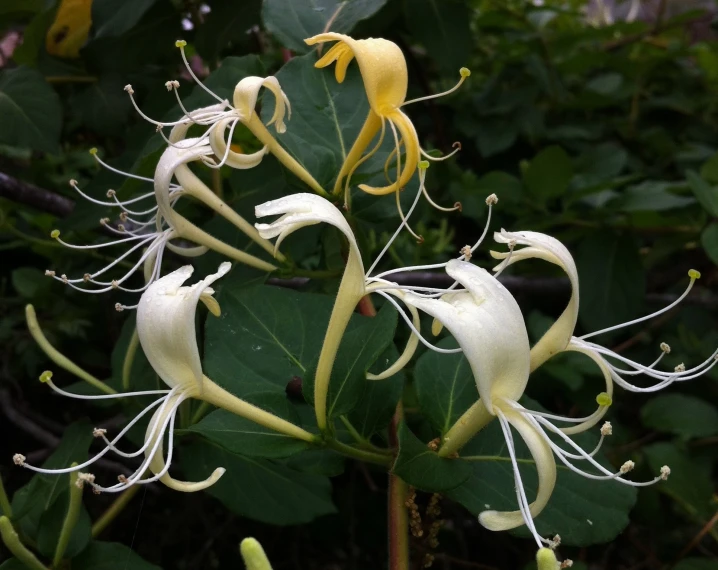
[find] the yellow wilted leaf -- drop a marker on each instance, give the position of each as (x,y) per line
(70,29)
(234,147)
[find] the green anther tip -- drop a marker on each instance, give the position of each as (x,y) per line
(54,234)
(46,376)
(546,559)
(180,43)
(464,72)
(693,274)
(93,151)
(424,164)
(604,399)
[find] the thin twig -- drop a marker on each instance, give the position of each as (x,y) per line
(30,195)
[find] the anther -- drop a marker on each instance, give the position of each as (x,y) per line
(83,478)
(123,216)
(19,459)
(665,472)
(119,308)
(665,347)
(693,274)
(129,89)
(680,368)
(464,72)
(423,164)
(174,84)
(104,221)
(73,182)
(492,199)
(567,563)
(98,432)
(114,284)
(86,277)
(54,234)
(554,542)
(49,273)
(603,399)
(180,43)
(122,479)
(121,227)
(96,491)
(111,193)
(456,144)
(466,252)
(93,151)
(627,466)
(458,206)
(606,429)
(46,376)
(64,279)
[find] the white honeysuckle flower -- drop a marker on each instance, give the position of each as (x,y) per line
(489,327)
(560,336)
(166,331)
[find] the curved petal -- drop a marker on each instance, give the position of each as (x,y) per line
(488,325)
(545,465)
(300,210)
(541,246)
(245,100)
(234,159)
(166,326)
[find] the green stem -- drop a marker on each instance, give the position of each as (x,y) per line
(115,509)
(129,360)
(466,427)
(362,441)
(316,274)
(201,411)
(4,502)
(362,455)
(73,513)
(17,548)
(60,359)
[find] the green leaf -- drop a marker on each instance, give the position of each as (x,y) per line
(376,407)
(443,27)
(612,280)
(292,21)
(689,484)
(581,510)
(12,564)
(34,36)
(110,19)
(260,489)
(696,564)
(709,170)
(709,241)
(444,386)
(652,196)
(31,111)
(110,556)
(326,115)
(29,281)
(495,136)
(549,173)
(360,347)
(50,527)
(317,462)
(243,436)
(707,195)
(227,25)
(605,84)
(599,164)
(686,416)
(423,468)
(103,106)
(42,491)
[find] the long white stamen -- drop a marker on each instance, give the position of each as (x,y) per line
(227,149)
(103,396)
(427,156)
(56,235)
(180,44)
(693,275)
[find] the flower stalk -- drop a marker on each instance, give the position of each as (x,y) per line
(17,548)
(73,513)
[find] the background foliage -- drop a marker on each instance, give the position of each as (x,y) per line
(603,135)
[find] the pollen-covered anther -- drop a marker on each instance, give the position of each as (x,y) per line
(122,479)
(512,244)
(665,347)
(129,89)
(492,199)
(96,491)
(64,279)
(83,478)
(456,144)
(19,459)
(114,284)
(86,277)
(466,252)
(123,216)
(111,193)
(49,273)
(73,182)
(555,542)
(665,472)
(458,206)
(606,429)
(98,432)
(174,84)
(627,466)
(119,308)
(567,563)
(680,368)
(104,221)
(120,227)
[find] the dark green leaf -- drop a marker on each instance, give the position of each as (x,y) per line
(110,556)
(612,280)
(228,24)
(292,21)
(243,436)
(686,416)
(12,564)
(696,564)
(709,241)
(443,27)
(652,196)
(28,281)
(709,170)
(260,489)
(31,111)
(51,523)
(707,195)
(423,468)
(103,106)
(317,462)
(549,173)
(110,19)
(495,136)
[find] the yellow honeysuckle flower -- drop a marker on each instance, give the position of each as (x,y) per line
(70,29)
(384,72)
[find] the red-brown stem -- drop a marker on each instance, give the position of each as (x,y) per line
(398,516)
(366,307)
